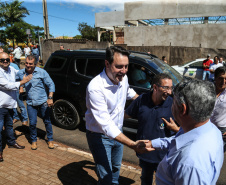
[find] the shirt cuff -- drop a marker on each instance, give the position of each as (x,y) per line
(156,143)
(112,132)
(17,84)
(131,94)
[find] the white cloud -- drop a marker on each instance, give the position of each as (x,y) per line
(117,5)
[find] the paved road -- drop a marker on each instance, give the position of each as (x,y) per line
(76,138)
(61,166)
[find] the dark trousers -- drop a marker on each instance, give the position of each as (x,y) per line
(7,121)
(148,170)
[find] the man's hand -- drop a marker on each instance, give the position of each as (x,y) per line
(224,136)
(171,125)
(140,146)
(50,102)
(26,79)
(21,90)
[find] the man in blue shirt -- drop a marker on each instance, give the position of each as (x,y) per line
(149,109)
(195,155)
(19,99)
(38,99)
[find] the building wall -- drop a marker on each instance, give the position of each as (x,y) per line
(179,55)
(51,45)
(160,9)
(196,35)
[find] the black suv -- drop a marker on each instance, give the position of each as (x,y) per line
(72,71)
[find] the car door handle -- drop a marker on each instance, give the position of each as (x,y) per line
(75,83)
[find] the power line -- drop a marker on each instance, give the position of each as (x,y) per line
(54,16)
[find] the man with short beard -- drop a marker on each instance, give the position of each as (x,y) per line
(151,110)
(8,89)
(106,96)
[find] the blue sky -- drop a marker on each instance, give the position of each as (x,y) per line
(69,13)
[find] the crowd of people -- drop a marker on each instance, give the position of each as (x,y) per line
(181,132)
(179,138)
(210,66)
(39,89)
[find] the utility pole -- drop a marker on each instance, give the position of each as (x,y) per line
(45,17)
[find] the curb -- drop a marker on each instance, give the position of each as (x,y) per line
(89,156)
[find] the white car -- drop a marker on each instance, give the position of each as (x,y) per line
(191,69)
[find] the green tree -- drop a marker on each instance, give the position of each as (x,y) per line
(77,37)
(12,14)
(87,32)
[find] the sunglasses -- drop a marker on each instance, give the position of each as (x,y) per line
(2,60)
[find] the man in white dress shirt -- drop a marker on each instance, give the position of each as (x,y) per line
(106,96)
(17,54)
(8,89)
(27,51)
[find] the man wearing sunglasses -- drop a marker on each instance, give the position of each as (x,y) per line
(152,109)
(195,154)
(8,89)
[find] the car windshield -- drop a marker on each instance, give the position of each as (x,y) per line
(161,67)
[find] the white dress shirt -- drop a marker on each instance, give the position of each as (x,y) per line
(218,116)
(105,105)
(17,53)
(8,88)
(27,51)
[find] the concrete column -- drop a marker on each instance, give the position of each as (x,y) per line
(166,21)
(206,20)
(114,36)
(98,34)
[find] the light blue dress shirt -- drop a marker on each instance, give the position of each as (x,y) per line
(194,157)
(15,66)
(35,88)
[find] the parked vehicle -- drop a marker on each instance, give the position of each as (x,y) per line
(72,71)
(191,69)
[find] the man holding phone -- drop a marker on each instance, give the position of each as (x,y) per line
(153,111)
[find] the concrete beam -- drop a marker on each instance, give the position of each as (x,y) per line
(105,19)
(161,9)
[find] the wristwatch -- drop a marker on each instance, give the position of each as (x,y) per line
(50,97)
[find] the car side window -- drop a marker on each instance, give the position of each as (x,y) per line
(94,67)
(139,76)
(80,66)
(56,63)
(196,64)
(90,67)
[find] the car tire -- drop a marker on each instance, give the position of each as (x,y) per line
(65,114)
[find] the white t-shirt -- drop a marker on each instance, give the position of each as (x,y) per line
(214,67)
(27,51)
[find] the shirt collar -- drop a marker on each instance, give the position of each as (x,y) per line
(6,71)
(35,70)
(107,81)
(183,139)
